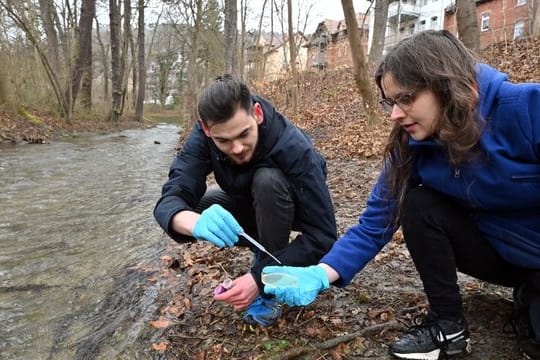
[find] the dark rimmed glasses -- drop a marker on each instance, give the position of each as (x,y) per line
(404,102)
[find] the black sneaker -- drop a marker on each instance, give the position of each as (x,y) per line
(433,338)
(530,348)
(527,320)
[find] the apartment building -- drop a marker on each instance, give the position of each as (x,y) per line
(406,17)
(498,20)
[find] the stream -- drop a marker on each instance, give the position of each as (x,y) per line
(76,235)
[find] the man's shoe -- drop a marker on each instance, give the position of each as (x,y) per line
(433,338)
(262,311)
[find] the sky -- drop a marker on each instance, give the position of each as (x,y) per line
(322,9)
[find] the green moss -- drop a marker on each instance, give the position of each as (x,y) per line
(32,118)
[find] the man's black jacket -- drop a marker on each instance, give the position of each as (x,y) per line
(280,145)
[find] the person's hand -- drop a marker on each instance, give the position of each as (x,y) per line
(218,226)
(310,281)
(242,292)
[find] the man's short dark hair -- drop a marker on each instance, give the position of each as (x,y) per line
(222,98)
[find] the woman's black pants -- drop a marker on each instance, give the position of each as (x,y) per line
(443,239)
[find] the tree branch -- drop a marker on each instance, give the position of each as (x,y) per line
(328,344)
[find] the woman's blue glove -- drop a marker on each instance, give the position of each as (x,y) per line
(218,226)
(310,281)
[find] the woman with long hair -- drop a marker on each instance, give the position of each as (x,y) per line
(461,176)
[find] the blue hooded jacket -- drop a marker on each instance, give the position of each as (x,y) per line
(501,187)
(280,145)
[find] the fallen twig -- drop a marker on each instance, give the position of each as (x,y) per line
(328,344)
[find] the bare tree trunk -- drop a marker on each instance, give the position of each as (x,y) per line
(192,86)
(243,11)
(257,57)
(231,34)
(48,16)
(114,16)
(379,31)
(83,62)
(134,70)
(360,67)
(86,84)
(536,19)
(292,51)
(124,59)
(467,24)
(139,106)
(104,60)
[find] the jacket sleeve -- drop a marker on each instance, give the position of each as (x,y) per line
(532,99)
(306,171)
(186,184)
(363,241)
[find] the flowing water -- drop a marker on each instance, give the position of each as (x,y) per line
(76,230)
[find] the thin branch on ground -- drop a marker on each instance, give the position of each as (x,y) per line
(328,344)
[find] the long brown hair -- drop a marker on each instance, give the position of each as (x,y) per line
(439,62)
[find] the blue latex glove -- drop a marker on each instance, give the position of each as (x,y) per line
(310,281)
(218,226)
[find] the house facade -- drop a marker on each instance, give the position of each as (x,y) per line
(328,47)
(406,17)
(267,55)
(498,20)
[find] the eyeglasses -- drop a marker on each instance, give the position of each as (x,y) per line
(404,102)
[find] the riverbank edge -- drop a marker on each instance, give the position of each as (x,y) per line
(36,128)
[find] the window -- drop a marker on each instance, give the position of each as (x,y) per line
(411,29)
(434,23)
(485,22)
(422,25)
(519,28)
(520,2)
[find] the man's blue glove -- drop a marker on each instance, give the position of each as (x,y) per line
(310,281)
(218,226)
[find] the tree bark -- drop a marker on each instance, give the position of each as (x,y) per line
(139,105)
(379,31)
(114,17)
(231,35)
(536,20)
(467,24)
(105,63)
(243,13)
(46,7)
(87,79)
(124,59)
(83,62)
(192,86)
(292,51)
(360,67)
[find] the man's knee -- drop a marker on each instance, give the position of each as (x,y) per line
(214,195)
(267,181)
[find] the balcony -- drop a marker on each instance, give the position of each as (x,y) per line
(403,12)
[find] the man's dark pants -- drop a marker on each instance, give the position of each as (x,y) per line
(268,217)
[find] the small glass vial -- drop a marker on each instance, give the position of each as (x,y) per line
(224,286)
